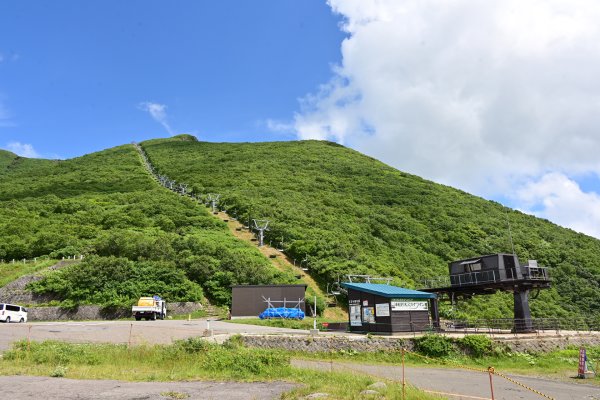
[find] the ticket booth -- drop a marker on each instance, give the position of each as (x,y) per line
(386,309)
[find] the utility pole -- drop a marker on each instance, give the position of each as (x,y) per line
(261,226)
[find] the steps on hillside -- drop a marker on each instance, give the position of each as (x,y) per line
(16,292)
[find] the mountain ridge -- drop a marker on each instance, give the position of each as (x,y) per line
(333,210)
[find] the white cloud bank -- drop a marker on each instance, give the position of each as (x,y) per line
(562,201)
(484,96)
(158,113)
(23,149)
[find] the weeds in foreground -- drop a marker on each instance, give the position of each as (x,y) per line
(190,359)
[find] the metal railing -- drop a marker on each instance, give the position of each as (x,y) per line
(479,326)
(486,276)
(508,325)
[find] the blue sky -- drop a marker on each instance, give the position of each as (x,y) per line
(499,99)
(74,73)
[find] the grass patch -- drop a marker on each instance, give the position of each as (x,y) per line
(306,323)
(10,272)
(191,359)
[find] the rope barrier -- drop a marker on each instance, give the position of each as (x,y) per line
(521,384)
(489,370)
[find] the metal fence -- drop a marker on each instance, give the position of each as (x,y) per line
(479,326)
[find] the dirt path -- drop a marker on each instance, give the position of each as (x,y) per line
(277,258)
(282,262)
(38,387)
(464,384)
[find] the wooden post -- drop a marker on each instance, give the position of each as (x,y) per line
(491,372)
(129,341)
(29,339)
(403,378)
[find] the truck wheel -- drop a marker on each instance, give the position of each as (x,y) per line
(138,318)
(153,317)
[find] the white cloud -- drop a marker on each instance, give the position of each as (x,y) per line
(158,113)
(279,126)
(478,95)
(5,118)
(23,149)
(560,199)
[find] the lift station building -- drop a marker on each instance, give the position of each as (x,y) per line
(386,309)
(490,273)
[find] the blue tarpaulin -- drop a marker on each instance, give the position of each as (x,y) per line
(282,312)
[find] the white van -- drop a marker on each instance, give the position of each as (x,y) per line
(12,313)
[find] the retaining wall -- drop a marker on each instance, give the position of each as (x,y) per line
(374,344)
(97,312)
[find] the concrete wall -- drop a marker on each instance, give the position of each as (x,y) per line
(96,312)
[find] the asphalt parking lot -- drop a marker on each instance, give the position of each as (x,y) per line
(134,332)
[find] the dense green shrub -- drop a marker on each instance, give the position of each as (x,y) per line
(476,345)
(140,238)
(433,345)
(336,211)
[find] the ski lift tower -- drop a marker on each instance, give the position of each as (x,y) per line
(261,226)
(213,199)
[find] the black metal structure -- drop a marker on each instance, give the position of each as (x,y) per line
(489,274)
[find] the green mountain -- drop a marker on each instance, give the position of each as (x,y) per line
(332,209)
(138,237)
(343,212)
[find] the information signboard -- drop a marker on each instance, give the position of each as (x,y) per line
(582,359)
(382,310)
(369,315)
(355,319)
(409,305)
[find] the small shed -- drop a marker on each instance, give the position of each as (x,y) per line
(387,309)
(251,300)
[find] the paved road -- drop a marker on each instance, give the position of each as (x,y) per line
(152,332)
(33,387)
(465,384)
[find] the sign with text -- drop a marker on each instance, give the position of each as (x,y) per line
(582,362)
(382,310)
(355,319)
(368,315)
(409,305)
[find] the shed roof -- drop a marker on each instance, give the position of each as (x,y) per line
(389,291)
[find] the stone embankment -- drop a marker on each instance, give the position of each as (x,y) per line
(91,312)
(15,292)
(327,343)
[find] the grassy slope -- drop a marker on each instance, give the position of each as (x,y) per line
(352,214)
(145,238)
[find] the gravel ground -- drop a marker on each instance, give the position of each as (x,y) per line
(463,384)
(34,387)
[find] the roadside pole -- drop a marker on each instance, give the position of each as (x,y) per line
(315,314)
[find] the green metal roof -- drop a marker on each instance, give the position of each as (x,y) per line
(389,291)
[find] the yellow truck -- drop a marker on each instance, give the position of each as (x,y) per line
(150,308)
